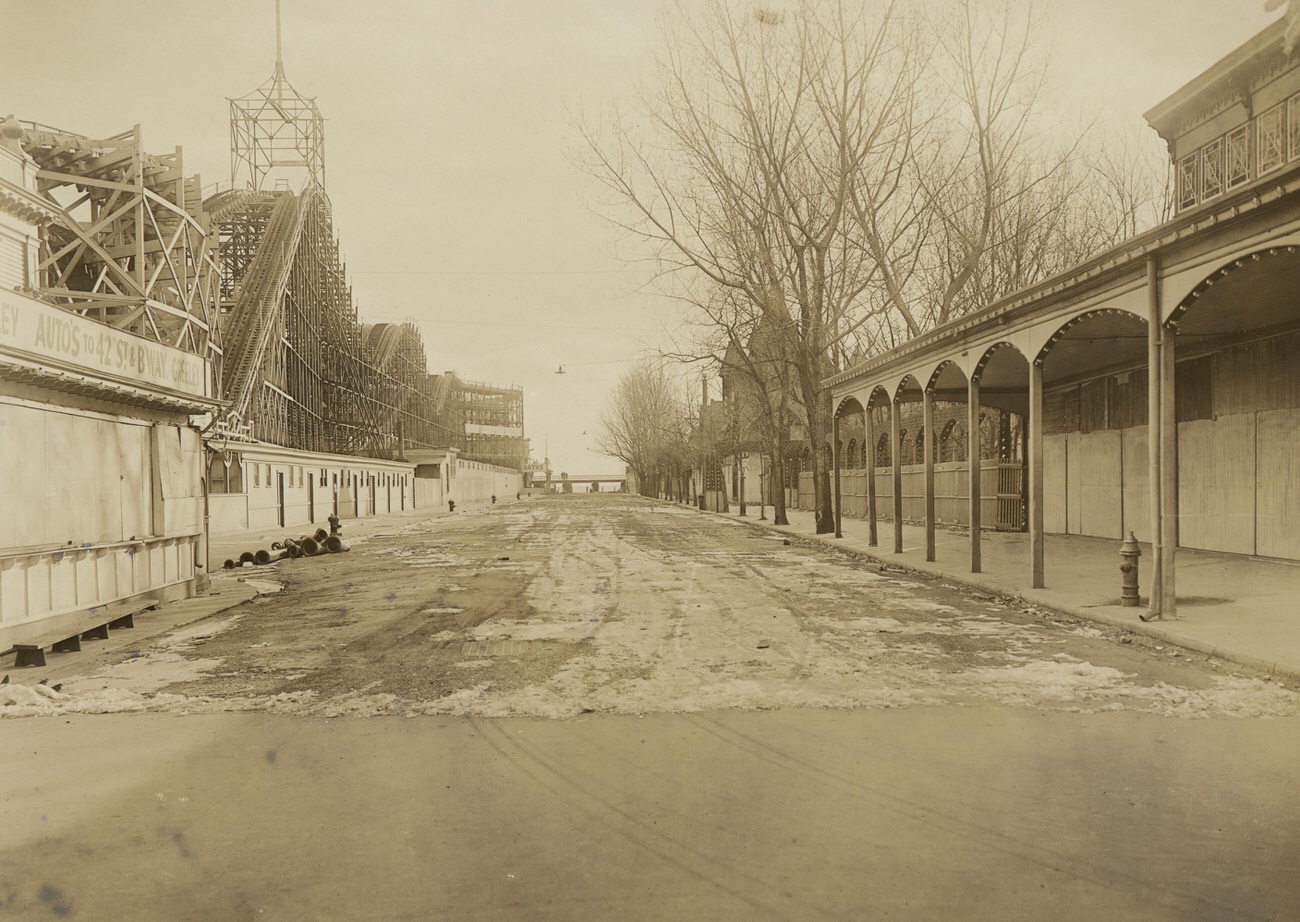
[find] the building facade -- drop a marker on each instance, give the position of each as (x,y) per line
(102,499)
(1158,382)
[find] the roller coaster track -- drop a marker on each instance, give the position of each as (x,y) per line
(258,316)
(303,372)
(252,280)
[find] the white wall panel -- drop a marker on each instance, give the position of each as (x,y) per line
(1278,501)
(1074,484)
(135,470)
(1216,484)
(1100,490)
(23,487)
(1055,498)
(1137,496)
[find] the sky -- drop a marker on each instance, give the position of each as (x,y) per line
(449,135)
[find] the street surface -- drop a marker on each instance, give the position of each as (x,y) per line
(595,707)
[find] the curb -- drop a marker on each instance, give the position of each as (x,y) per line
(970,581)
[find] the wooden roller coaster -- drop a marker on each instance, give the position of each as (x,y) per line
(251,278)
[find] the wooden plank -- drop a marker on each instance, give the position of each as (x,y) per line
(1055,497)
(1100,475)
(975,513)
(1035,439)
(1278,497)
(1216,484)
(927,466)
(1073,485)
(1136,474)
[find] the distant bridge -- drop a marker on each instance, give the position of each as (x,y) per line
(565,477)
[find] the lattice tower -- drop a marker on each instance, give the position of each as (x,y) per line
(276,132)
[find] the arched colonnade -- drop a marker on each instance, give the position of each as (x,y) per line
(1090,364)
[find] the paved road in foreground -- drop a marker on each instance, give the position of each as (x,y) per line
(746,730)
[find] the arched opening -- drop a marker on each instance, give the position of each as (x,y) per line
(1095,448)
(950,442)
(1237,406)
(1003,377)
(884,457)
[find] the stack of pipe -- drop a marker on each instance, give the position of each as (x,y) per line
(318,542)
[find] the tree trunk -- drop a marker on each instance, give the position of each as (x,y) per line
(824,514)
(777,484)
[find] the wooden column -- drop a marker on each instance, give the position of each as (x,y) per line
(835,468)
(869,428)
(1168,475)
(896,456)
(927,414)
(973,461)
(1035,448)
(1155,491)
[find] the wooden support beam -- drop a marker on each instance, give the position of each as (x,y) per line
(927,414)
(1155,330)
(1168,475)
(835,467)
(1035,448)
(28,655)
(973,462)
(68,645)
(895,455)
(869,427)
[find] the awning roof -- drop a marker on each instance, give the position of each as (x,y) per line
(69,382)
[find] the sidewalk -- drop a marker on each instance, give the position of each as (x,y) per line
(1243,609)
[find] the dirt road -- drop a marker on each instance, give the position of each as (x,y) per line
(610,604)
(748,729)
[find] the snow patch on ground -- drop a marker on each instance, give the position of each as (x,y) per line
(1071,686)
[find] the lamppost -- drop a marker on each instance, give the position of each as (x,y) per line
(762,496)
(744,456)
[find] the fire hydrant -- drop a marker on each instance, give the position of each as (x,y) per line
(336,527)
(1130,552)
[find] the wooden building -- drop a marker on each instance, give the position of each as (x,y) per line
(1159,382)
(105,357)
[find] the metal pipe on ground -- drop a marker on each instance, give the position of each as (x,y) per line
(247,557)
(336,545)
(310,546)
(265,557)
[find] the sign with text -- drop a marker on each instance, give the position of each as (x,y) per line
(46,333)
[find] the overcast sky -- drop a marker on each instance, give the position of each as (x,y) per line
(447,128)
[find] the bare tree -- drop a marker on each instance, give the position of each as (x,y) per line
(851,175)
(645,426)
(739,185)
(757,353)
